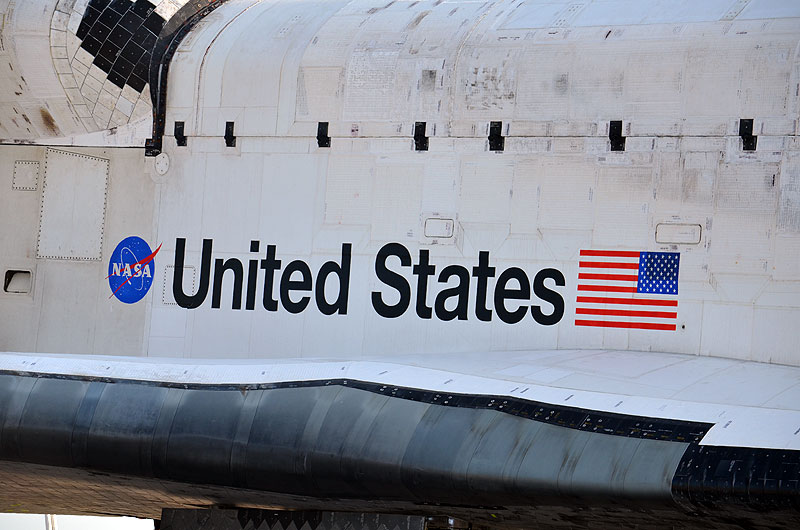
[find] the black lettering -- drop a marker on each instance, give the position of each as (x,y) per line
(482,273)
(503,293)
(288,285)
(548,295)
(220,267)
(270,265)
(343,273)
(461,291)
(392,279)
(252,278)
(197,299)
(423,271)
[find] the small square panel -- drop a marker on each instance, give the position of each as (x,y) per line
(131,21)
(120,36)
(103,63)
(91,45)
(109,51)
(109,18)
(100,31)
(143,8)
(189,281)
(144,38)
(26,175)
(136,82)
(132,52)
(123,67)
(116,78)
(154,23)
(120,6)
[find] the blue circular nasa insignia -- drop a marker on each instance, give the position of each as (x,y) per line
(131,269)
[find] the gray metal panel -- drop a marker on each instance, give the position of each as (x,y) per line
(124,422)
(276,454)
(14,392)
(341,439)
(45,432)
(600,467)
(201,435)
(651,468)
(380,465)
(511,439)
(432,458)
(543,464)
(324,441)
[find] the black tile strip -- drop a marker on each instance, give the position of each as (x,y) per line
(576,418)
(760,479)
(168,40)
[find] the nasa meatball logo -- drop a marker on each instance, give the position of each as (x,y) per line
(131,269)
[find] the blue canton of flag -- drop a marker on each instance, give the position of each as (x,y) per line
(658,273)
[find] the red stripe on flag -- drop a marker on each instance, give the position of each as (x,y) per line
(607,288)
(625,313)
(636,325)
(608,265)
(611,253)
(616,277)
(630,301)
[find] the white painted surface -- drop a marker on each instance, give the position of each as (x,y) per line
(73,213)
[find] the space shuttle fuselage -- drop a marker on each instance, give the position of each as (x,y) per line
(582,218)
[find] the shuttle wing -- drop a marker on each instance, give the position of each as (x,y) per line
(521,439)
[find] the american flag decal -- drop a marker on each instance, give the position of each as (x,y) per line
(628,289)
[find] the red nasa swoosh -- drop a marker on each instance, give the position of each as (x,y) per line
(143,261)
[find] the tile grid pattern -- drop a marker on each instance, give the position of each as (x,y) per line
(101,53)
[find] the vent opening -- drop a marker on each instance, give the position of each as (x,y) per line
(323,140)
(420,140)
(180,138)
(17,281)
(615,135)
(749,141)
(496,140)
(230,139)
